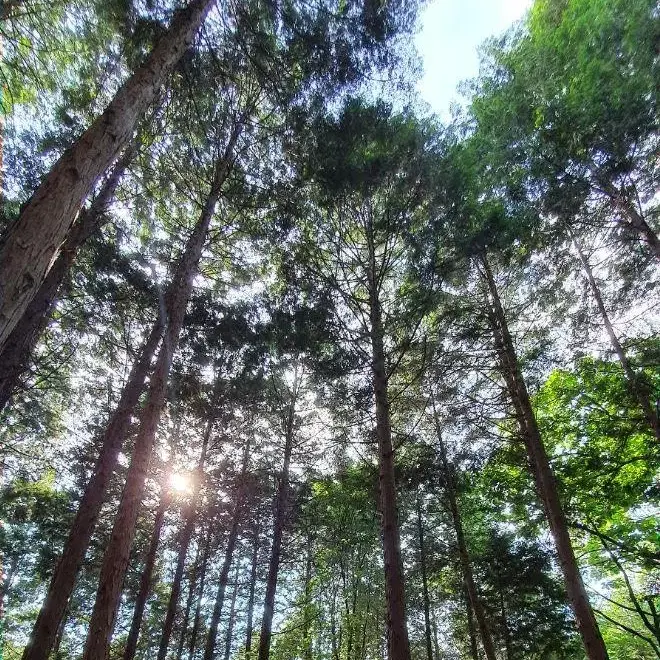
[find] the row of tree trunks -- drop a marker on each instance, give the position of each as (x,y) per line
(211,640)
(31,244)
(281,501)
(146,576)
(116,557)
(20,344)
(541,470)
(475,604)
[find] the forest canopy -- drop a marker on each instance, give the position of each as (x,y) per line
(292,368)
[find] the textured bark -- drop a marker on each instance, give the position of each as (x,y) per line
(117,553)
(211,640)
(145,578)
(15,356)
(68,566)
(397,632)
(633,381)
(278,530)
(250,606)
(425,582)
(31,244)
(200,596)
(463,554)
(542,472)
(472,633)
(232,616)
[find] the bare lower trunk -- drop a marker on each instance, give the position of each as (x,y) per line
(211,640)
(145,578)
(232,616)
(66,571)
(307,638)
(117,553)
(33,241)
(542,473)
(636,388)
(250,606)
(472,633)
(192,584)
(276,548)
(397,632)
(463,554)
(425,582)
(18,349)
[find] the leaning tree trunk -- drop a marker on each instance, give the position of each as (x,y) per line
(32,242)
(68,566)
(397,632)
(145,578)
(463,554)
(472,633)
(425,582)
(115,561)
(633,381)
(250,605)
(186,537)
(276,548)
(544,478)
(15,356)
(211,640)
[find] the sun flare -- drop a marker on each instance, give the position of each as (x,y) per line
(180,482)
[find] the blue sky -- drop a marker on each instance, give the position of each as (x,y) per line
(450,33)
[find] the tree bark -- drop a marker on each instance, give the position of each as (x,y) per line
(472,633)
(397,632)
(145,577)
(117,553)
(20,344)
(632,378)
(425,582)
(31,244)
(192,584)
(211,640)
(68,566)
(278,529)
(542,472)
(250,607)
(463,554)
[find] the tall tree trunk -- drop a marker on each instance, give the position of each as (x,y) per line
(505,629)
(463,554)
(250,606)
(632,378)
(32,242)
(68,566)
(200,597)
(186,535)
(472,633)
(117,553)
(397,632)
(232,615)
(278,529)
(19,347)
(146,576)
(425,583)
(211,640)
(542,473)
